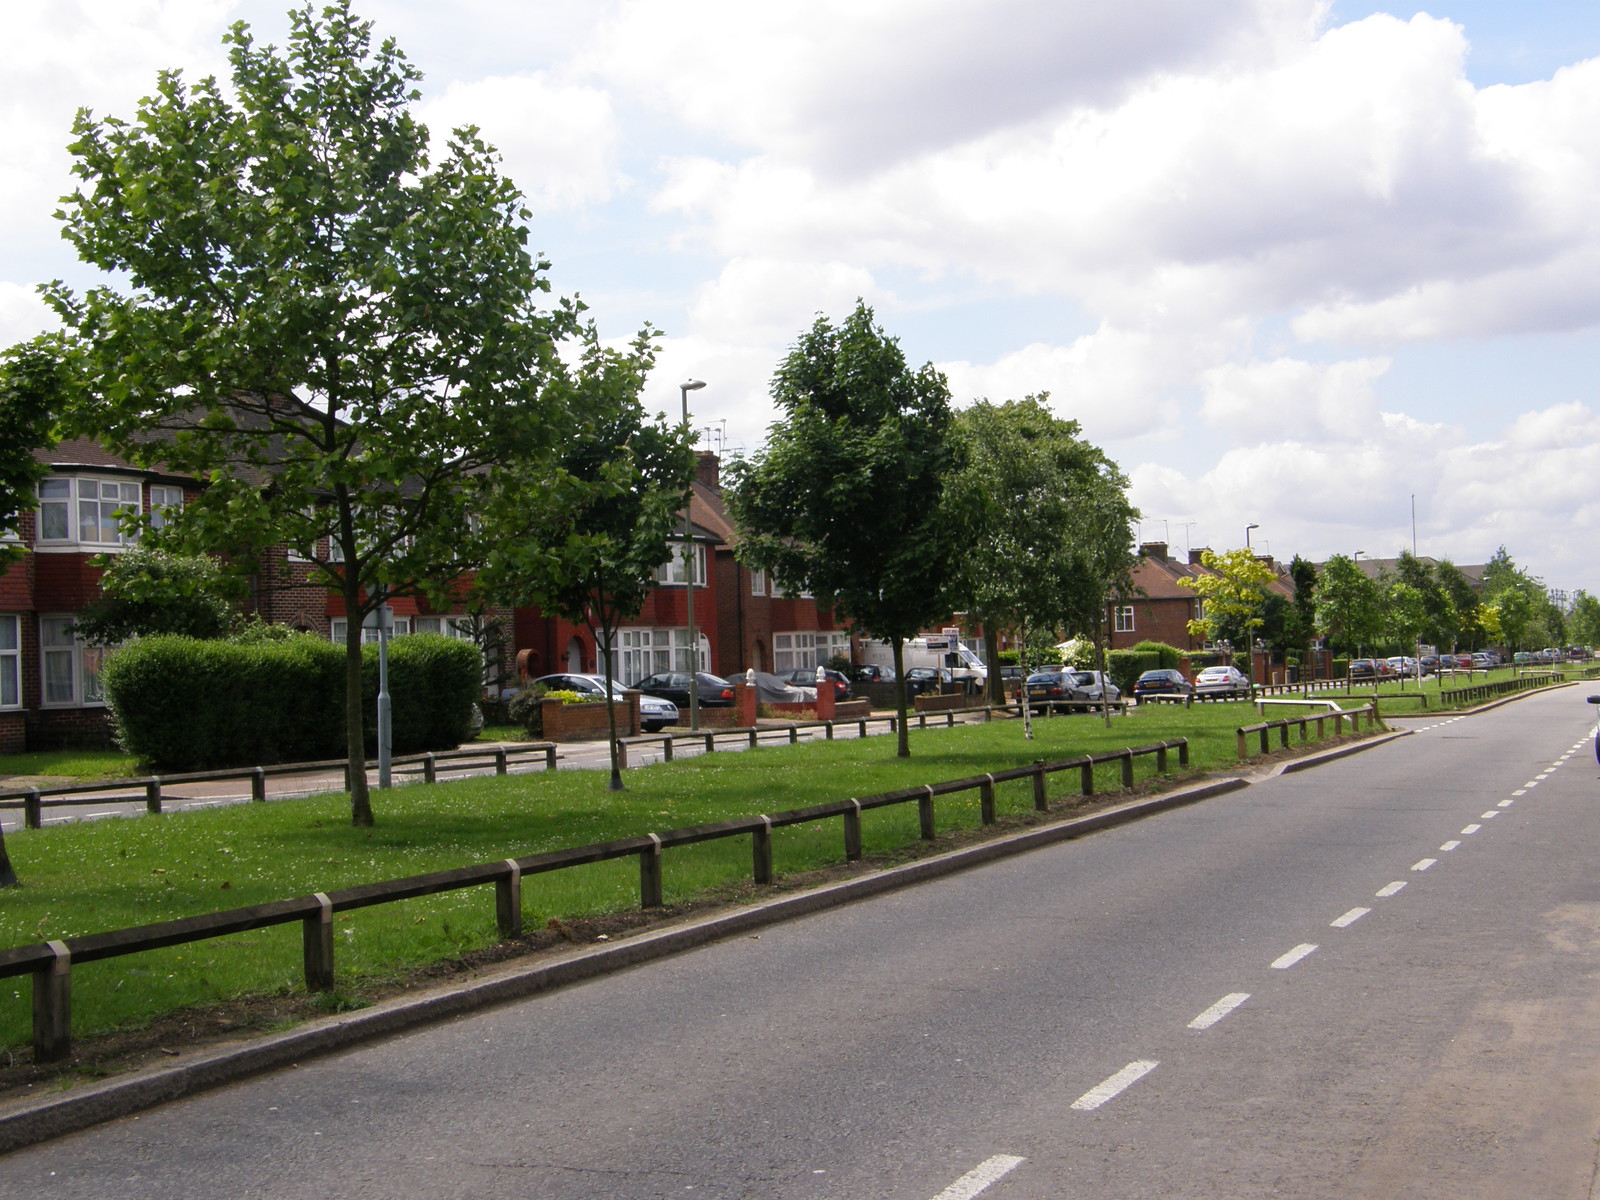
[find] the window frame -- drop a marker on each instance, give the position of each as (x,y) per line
(66,511)
(10,661)
(58,640)
(1123,619)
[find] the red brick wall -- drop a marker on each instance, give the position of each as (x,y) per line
(586,722)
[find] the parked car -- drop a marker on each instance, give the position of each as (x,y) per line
(1221,681)
(1045,686)
(801,677)
(872,673)
(928,679)
(654,712)
(1363,668)
(1403,666)
(715,692)
(1162,682)
(1012,678)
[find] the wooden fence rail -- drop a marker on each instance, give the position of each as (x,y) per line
(50,963)
(1264,729)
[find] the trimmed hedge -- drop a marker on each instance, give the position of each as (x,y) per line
(1125,667)
(1168,656)
(181,704)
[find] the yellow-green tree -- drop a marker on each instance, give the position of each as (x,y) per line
(1231,592)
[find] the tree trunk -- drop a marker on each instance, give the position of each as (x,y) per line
(605,645)
(991,651)
(8,876)
(1022,660)
(1100,665)
(354,725)
(903,750)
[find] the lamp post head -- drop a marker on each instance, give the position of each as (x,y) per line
(692,385)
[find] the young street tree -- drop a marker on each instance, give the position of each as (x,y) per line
(1349,606)
(1233,595)
(616,486)
(340,339)
(846,499)
(1051,517)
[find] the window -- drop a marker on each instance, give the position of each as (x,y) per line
(10,661)
(643,652)
(99,505)
(456,627)
(833,645)
(163,499)
(70,669)
(793,651)
(1125,618)
(758,582)
(783,593)
(398,627)
(670,573)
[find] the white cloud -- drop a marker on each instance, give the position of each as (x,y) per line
(559,140)
(1288,398)
(770,302)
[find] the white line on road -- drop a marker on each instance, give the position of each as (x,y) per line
(1520,792)
(1123,1079)
(1423,864)
(1472,829)
(1531,783)
(1350,918)
(980,1177)
(1505,804)
(1450,845)
(1284,961)
(1393,889)
(1490,815)
(1219,1010)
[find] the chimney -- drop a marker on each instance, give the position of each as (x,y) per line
(1195,553)
(707,470)
(1153,550)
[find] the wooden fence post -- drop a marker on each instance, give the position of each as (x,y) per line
(317,936)
(986,800)
(1183,752)
(925,813)
(52,1005)
(1086,777)
(1161,759)
(852,832)
(1266,744)
(761,851)
(1127,769)
(1041,801)
(1243,747)
(508,901)
(650,874)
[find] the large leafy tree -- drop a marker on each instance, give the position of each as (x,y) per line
(147,591)
(341,339)
(1052,523)
(1463,604)
(1583,623)
(592,549)
(1300,626)
(1349,606)
(847,497)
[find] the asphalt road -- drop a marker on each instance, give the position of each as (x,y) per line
(1377,978)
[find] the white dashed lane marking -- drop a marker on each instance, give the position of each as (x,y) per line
(1471,829)
(1284,961)
(1219,1010)
(1118,1083)
(1449,846)
(1423,864)
(1392,889)
(980,1177)
(1350,918)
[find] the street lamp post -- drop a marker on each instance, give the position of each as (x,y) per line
(687,386)
(1250,630)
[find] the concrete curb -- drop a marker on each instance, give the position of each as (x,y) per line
(40,1120)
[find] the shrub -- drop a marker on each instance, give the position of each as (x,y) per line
(433,683)
(526,710)
(1169,656)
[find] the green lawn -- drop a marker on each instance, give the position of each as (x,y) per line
(90,766)
(111,874)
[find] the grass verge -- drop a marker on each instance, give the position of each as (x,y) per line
(111,874)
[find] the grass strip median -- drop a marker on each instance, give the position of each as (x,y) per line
(101,875)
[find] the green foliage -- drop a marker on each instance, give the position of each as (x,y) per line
(146,591)
(183,704)
(527,710)
(1349,607)
(310,300)
(433,683)
(1167,657)
(1125,666)
(1232,595)
(1583,625)
(847,498)
(1051,523)
(35,385)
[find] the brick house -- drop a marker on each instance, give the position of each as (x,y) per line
(1158,609)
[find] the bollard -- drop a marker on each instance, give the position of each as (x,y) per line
(152,794)
(622,755)
(650,874)
(33,809)
(430,768)
(666,748)
(711,742)
(317,936)
(752,737)
(258,786)
(852,832)
(761,851)
(829,734)
(508,901)
(550,757)
(500,761)
(794,734)
(925,813)
(986,800)
(863,728)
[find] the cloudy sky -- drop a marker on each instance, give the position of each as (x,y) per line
(1292,263)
